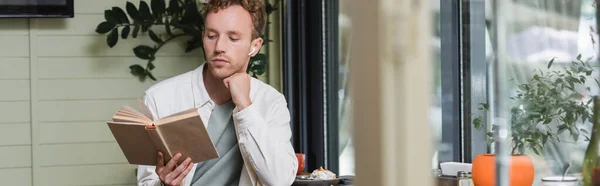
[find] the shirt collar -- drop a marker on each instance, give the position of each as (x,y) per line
(201,96)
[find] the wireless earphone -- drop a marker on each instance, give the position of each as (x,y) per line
(252,51)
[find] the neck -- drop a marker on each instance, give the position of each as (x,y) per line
(215,87)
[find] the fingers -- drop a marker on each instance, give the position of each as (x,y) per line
(226,82)
(171,164)
(160,163)
(235,77)
(179,170)
(185,172)
(181,167)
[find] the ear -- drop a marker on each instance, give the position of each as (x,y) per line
(256,44)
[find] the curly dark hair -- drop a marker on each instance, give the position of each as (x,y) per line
(256,8)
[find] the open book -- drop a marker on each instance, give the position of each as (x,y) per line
(140,138)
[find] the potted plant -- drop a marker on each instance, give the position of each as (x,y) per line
(547,98)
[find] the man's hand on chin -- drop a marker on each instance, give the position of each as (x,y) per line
(239,88)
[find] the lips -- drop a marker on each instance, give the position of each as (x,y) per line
(219,61)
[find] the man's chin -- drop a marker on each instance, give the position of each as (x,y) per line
(220,73)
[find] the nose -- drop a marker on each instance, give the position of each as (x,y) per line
(220,45)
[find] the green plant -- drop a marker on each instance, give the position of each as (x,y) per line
(181,18)
(547,97)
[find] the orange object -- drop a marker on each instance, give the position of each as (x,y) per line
(484,170)
(300,163)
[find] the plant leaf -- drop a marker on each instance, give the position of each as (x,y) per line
(549,120)
(579,57)
(112,38)
(145,27)
(258,64)
(558,80)
(125,32)
(551,61)
(168,27)
(477,123)
(154,37)
(191,31)
(175,22)
(143,52)
(485,106)
(158,7)
(136,30)
(105,27)
(173,6)
(191,14)
(193,43)
(269,8)
(145,11)
(132,11)
(110,17)
(120,15)
(544,139)
(137,70)
(561,129)
(571,84)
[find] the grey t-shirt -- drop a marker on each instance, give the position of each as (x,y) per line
(226,169)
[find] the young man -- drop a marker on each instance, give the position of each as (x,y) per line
(247,120)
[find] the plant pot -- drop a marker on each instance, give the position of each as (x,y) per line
(559,181)
(484,170)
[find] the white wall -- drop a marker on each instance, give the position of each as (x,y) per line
(59,83)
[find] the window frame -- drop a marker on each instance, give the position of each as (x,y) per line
(310,37)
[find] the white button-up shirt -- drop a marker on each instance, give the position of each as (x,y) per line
(263,128)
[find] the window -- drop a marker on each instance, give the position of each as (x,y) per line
(534,33)
(467,74)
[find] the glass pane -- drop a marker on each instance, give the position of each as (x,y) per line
(546,106)
(435,111)
(346,159)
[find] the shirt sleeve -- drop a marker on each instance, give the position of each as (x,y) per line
(265,143)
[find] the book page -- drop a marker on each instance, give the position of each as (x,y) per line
(121,118)
(130,109)
(129,114)
(193,112)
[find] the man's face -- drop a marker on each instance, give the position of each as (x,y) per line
(227,41)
